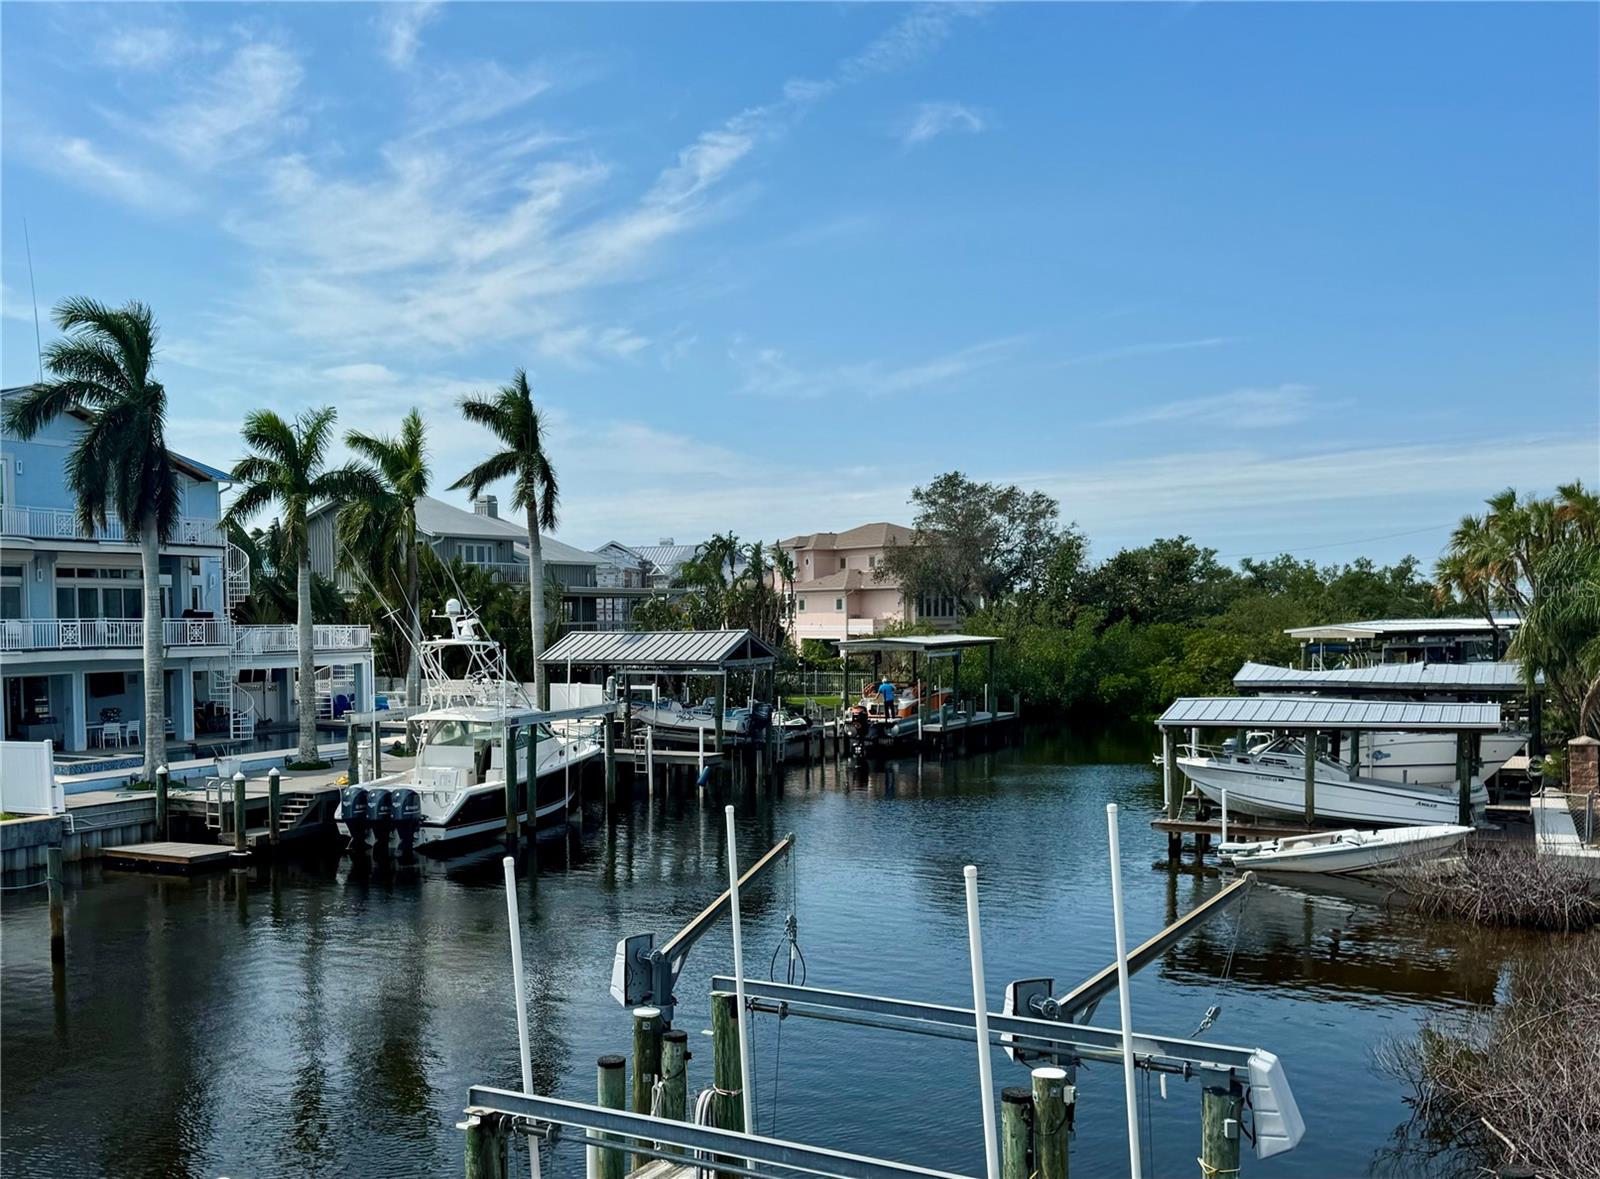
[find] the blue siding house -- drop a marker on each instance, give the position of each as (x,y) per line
(72,630)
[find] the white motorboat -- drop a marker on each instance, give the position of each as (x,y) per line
(670,719)
(1348,852)
(456,788)
(1269,780)
(1423,757)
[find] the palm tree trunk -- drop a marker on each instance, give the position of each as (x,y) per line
(414,622)
(155,696)
(536,604)
(306,689)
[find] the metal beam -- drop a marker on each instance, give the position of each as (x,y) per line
(1079,1002)
(776,1152)
(1048,1035)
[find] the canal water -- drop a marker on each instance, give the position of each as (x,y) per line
(326,1017)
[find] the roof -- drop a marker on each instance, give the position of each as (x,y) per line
(1379,627)
(556,553)
(845,579)
(863,536)
(1485,677)
(661,650)
(1320,712)
(437,518)
(927,644)
(622,548)
(188,465)
(665,557)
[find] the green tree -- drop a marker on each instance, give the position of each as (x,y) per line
(511,417)
(378,531)
(975,542)
(1560,634)
(287,470)
(102,371)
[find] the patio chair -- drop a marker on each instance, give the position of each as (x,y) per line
(130,733)
(111,734)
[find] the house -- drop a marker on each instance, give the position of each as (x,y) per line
(665,560)
(594,590)
(72,629)
(628,568)
(840,590)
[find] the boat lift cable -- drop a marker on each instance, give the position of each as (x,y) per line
(791,940)
(1215,1010)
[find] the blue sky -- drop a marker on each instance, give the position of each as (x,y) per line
(1304,277)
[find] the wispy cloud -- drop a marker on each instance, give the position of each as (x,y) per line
(234,112)
(1152,348)
(929,120)
(139,47)
(81,162)
(767,372)
(400,30)
(1281,405)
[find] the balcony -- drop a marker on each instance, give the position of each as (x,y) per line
(285,639)
(106,634)
(60,524)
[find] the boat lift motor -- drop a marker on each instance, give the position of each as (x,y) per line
(643,973)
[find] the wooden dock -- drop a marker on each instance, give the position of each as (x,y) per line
(181,859)
(961,722)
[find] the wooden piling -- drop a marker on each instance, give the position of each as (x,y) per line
(1016,1132)
(611,759)
(1052,1105)
(727,1106)
(1220,1110)
(352,751)
(1355,754)
(513,827)
(162,819)
(240,844)
(646,1055)
(487,1142)
(1311,777)
(377,747)
(612,1092)
(274,807)
(675,1074)
(1464,780)
(58,912)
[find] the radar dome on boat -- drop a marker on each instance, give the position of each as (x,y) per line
(452,607)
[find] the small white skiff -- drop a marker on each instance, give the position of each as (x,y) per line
(1348,852)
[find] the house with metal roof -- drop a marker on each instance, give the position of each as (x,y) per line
(1405,640)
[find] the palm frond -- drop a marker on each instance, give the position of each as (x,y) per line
(496,467)
(28,412)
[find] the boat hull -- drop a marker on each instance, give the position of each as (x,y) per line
(1278,791)
(1348,853)
(1431,757)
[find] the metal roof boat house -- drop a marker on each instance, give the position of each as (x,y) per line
(1404,640)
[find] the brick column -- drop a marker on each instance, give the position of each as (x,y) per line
(1583,765)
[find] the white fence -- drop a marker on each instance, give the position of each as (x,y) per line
(575,695)
(28,780)
(88,634)
(61,524)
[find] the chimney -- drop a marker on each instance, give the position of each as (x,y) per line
(664,540)
(486,505)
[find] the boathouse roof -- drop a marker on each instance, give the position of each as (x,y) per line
(662,650)
(1380,627)
(1502,678)
(1320,712)
(926,644)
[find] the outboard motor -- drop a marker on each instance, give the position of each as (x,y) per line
(407,808)
(760,720)
(380,814)
(353,809)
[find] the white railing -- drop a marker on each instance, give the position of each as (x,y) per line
(61,524)
(864,626)
(510,572)
(88,634)
(285,639)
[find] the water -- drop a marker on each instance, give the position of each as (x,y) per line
(327,1017)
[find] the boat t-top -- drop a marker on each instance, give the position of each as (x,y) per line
(456,788)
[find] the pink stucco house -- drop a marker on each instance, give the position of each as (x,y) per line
(837,591)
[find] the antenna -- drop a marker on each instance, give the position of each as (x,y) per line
(38,347)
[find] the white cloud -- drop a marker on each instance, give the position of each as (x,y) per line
(1281,405)
(400,30)
(767,372)
(365,373)
(235,112)
(929,120)
(145,47)
(79,161)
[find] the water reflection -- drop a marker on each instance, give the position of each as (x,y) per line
(326,1016)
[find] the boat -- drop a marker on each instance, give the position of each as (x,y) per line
(1422,757)
(673,720)
(1344,853)
(1268,780)
(455,790)
(876,726)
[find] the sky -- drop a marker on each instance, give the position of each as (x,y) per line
(1307,278)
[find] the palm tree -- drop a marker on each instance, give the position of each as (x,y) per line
(119,465)
(286,470)
(378,532)
(511,417)
(1560,634)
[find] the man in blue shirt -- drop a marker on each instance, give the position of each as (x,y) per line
(886,690)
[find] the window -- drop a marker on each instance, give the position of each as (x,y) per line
(838,603)
(83,592)
(841,562)
(936,606)
(10,591)
(801,604)
(477,554)
(872,562)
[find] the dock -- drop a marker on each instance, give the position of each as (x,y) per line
(178,859)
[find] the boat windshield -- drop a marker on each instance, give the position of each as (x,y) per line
(461,732)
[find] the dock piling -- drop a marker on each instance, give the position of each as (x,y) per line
(487,1142)
(58,912)
(240,843)
(646,1055)
(612,1092)
(163,819)
(274,807)
(674,1075)
(1311,778)
(512,826)
(727,1110)
(1220,1110)
(352,751)
(610,738)
(1053,1099)
(1016,1132)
